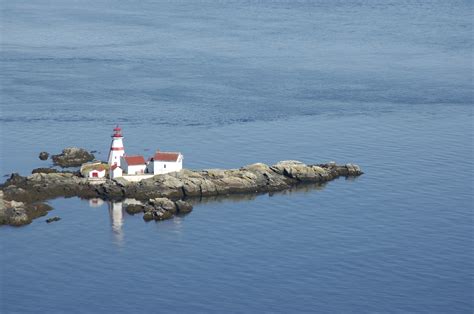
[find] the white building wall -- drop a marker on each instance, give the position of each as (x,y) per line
(116,173)
(135,169)
(100,174)
(162,167)
(138,177)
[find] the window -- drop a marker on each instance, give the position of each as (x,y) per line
(164,166)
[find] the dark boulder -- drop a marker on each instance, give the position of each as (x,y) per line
(72,157)
(53,219)
(43,155)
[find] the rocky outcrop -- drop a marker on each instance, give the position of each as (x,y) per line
(255,178)
(72,157)
(160,208)
(43,186)
(43,155)
(15,213)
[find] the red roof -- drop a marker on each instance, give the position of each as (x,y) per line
(166,156)
(134,160)
(100,168)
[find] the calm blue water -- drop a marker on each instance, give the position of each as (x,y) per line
(387,85)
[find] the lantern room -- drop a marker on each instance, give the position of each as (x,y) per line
(117,132)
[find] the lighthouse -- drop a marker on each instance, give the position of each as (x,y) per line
(116,148)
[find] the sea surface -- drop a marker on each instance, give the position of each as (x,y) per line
(387,85)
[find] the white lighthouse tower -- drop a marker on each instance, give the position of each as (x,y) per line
(116,148)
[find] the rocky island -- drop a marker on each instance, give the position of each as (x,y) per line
(163,196)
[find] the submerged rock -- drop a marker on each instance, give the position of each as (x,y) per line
(43,155)
(53,219)
(72,157)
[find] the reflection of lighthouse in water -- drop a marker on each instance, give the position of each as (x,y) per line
(116,218)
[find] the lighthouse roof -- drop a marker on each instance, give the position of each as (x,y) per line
(117,132)
(166,156)
(134,160)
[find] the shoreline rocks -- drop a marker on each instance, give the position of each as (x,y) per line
(251,179)
(44,170)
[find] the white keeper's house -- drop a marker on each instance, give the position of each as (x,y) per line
(97,173)
(164,162)
(133,164)
(135,167)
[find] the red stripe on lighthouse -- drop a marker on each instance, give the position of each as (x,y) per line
(116,148)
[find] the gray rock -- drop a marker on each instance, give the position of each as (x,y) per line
(72,157)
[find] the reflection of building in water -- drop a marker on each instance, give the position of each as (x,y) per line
(116,218)
(96,202)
